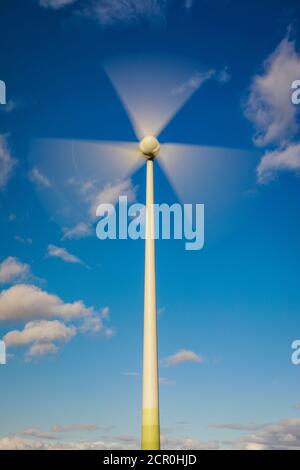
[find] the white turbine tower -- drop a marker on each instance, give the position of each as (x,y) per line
(73,175)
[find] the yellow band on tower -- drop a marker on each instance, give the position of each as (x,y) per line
(150,429)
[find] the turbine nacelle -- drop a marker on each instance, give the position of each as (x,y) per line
(149,146)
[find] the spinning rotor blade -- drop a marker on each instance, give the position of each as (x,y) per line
(200,174)
(153,90)
(72,175)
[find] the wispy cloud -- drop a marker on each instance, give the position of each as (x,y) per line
(7,162)
(33,432)
(56,4)
(110,195)
(81,230)
(25,241)
(193,83)
(287,159)
(75,427)
(281,435)
(127,12)
(188,4)
(95,323)
(10,106)
(61,253)
(237,426)
(184,355)
(38,179)
(165,381)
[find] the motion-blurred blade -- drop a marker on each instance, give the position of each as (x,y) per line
(153,90)
(72,177)
(209,175)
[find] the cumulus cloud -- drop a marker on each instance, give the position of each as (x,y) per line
(38,179)
(42,331)
(81,230)
(41,336)
(283,435)
(269,105)
(7,162)
(272,113)
(184,355)
(63,254)
(56,4)
(12,270)
(40,350)
(127,12)
(25,301)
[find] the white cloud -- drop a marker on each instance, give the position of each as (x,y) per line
(25,241)
(165,381)
(223,76)
(81,230)
(38,179)
(92,325)
(17,443)
(61,253)
(188,4)
(187,443)
(40,350)
(42,331)
(194,82)
(24,302)
(110,195)
(269,105)
(287,159)
(32,432)
(56,4)
(105,312)
(237,426)
(41,336)
(10,106)
(283,435)
(276,436)
(7,162)
(12,270)
(128,12)
(181,356)
(75,427)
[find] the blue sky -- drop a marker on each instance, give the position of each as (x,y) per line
(234,306)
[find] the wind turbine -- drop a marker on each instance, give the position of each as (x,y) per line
(69,174)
